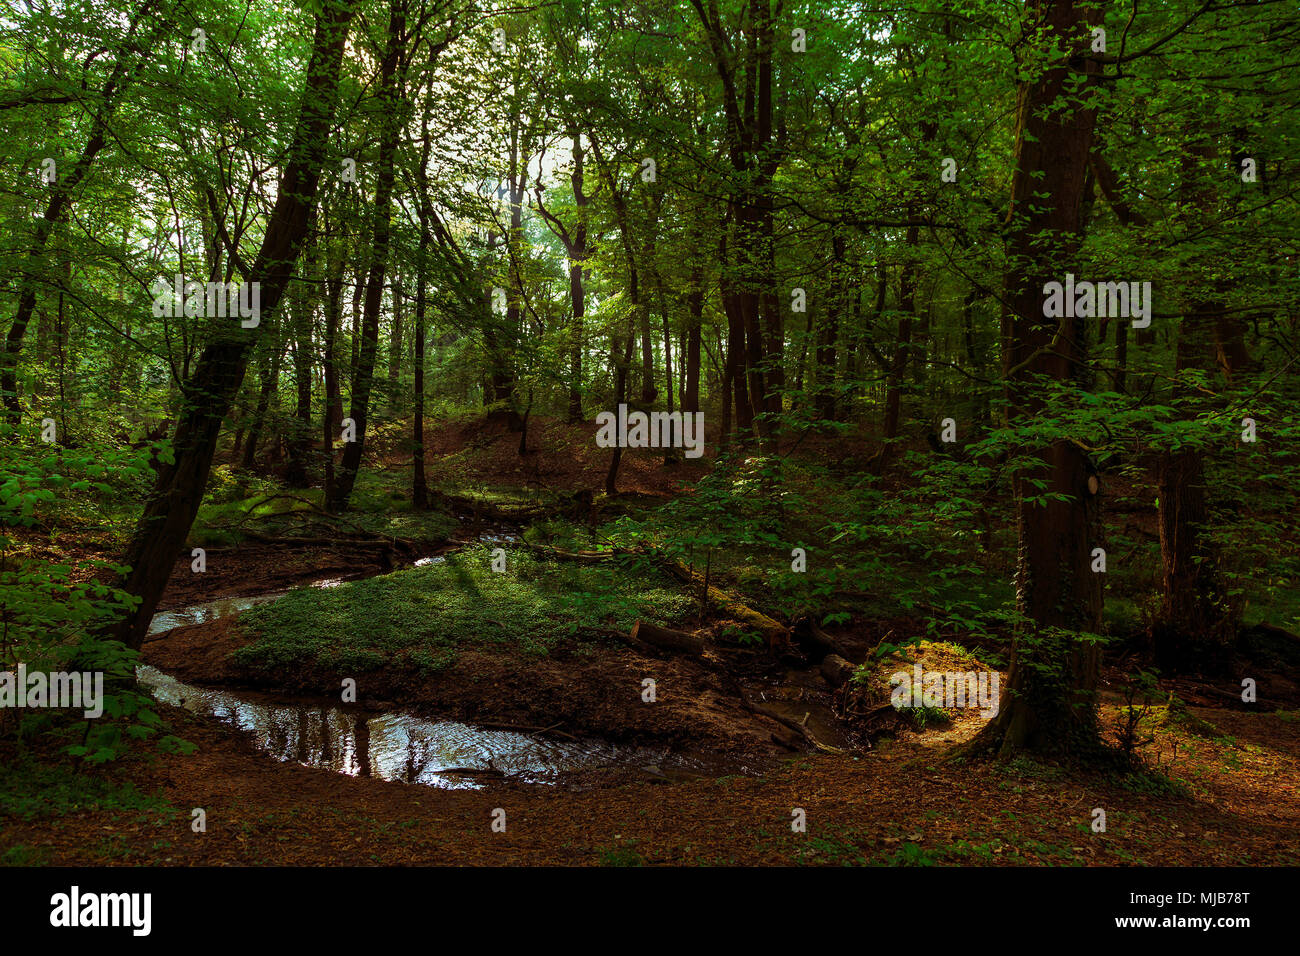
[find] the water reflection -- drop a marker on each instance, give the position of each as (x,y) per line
(492,539)
(391,746)
(203,613)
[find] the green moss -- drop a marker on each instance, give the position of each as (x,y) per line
(35,789)
(423,615)
(380,505)
(23,855)
(621,854)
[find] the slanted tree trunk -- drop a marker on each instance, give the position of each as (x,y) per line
(174,501)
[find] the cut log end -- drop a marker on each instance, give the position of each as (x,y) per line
(678,641)
(836,670)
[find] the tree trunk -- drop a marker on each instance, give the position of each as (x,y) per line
(1191,609)
(270,380)
(621,365)
(295,471)
(828,335)
(332,414)
(695,313)
(1194,613)
(64,188)
(578,300)
(667,639)
(363,380)
(419,484)
(1048,702)
(395,335)
(737,353)
(898,365)
(174,501)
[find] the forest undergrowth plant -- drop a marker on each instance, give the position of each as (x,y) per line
(51,620)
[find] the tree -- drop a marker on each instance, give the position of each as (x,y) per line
(178,490)
(1048,702)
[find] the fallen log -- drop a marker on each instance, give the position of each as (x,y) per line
(324,542)
(836,670)
(510,513)
(798,726)
(641,647)
(795,725)
(773,631)
(1271,630)
(826,643)
(667,639)
(556,554)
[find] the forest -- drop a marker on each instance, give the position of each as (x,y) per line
(650,433)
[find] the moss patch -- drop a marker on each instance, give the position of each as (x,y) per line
(33,788)
(423,615)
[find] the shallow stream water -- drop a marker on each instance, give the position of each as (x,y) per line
(390,745)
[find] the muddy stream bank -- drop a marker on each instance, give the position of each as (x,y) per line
(393,743)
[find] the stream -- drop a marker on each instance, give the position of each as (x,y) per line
(389,745)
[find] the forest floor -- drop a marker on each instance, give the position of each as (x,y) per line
(895,804)
(1220,784)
